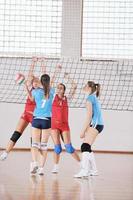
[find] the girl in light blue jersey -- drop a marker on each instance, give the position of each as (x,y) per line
(41,123)
(92,127)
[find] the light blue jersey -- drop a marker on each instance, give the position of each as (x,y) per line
(96,110)
(43,106)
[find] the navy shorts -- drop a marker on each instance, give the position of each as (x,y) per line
(98,127)
(41,123)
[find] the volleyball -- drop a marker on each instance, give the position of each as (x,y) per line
(19,78)
(59,65)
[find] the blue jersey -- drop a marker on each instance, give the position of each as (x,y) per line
(96,110)
(43,107)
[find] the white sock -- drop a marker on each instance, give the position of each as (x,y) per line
(56,165)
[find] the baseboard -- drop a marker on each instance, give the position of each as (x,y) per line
(95,151)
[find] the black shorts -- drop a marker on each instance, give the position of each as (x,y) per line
(41,123)
(98,127)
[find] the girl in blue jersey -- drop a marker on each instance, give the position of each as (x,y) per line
(41,123)
(92,127)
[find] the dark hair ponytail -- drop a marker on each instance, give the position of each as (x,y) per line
(95,87)
(45,81)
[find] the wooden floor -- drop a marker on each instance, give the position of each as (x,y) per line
(115,181)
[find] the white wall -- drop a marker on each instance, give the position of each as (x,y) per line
(117,135)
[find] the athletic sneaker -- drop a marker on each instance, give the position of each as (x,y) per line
(55,169)
(40,171)
(93,173)
(81,174)
(3,156)
(33,168)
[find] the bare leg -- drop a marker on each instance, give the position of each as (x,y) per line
(55,134)
(67,140)
(21,126)
(56,158)
(10,146)
(76,156)
(43,152)
(88,160)
(36,134)
(90,135)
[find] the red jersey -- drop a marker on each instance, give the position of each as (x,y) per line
(29,105)
(60,109)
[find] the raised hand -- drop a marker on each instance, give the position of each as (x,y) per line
(59,66)
(42,59)
(34,59)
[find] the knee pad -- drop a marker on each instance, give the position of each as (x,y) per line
(44,146)
(58,149)
(36,145)
(86,147)
(15,136)
(69,148)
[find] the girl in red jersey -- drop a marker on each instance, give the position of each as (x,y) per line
(27,115)
(59,121)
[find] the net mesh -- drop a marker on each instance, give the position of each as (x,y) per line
(115,77)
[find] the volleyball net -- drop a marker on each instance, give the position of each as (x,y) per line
(115,77)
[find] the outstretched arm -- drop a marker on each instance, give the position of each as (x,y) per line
(57,70)
(28,91)
(73,86)
(43,64)
(32,65)
(30,73)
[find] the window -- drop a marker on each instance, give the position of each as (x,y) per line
(107,29)
(31,27)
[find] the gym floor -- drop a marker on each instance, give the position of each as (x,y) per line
(115,180)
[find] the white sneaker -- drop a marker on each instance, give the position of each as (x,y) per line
(93,173)
(3,156)
(55,169)
(81,174)
(33,168)
(85,166)
(40,171)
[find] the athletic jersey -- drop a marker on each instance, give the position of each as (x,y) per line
(96,110)
(43,106)
(60,109)
(30,105)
